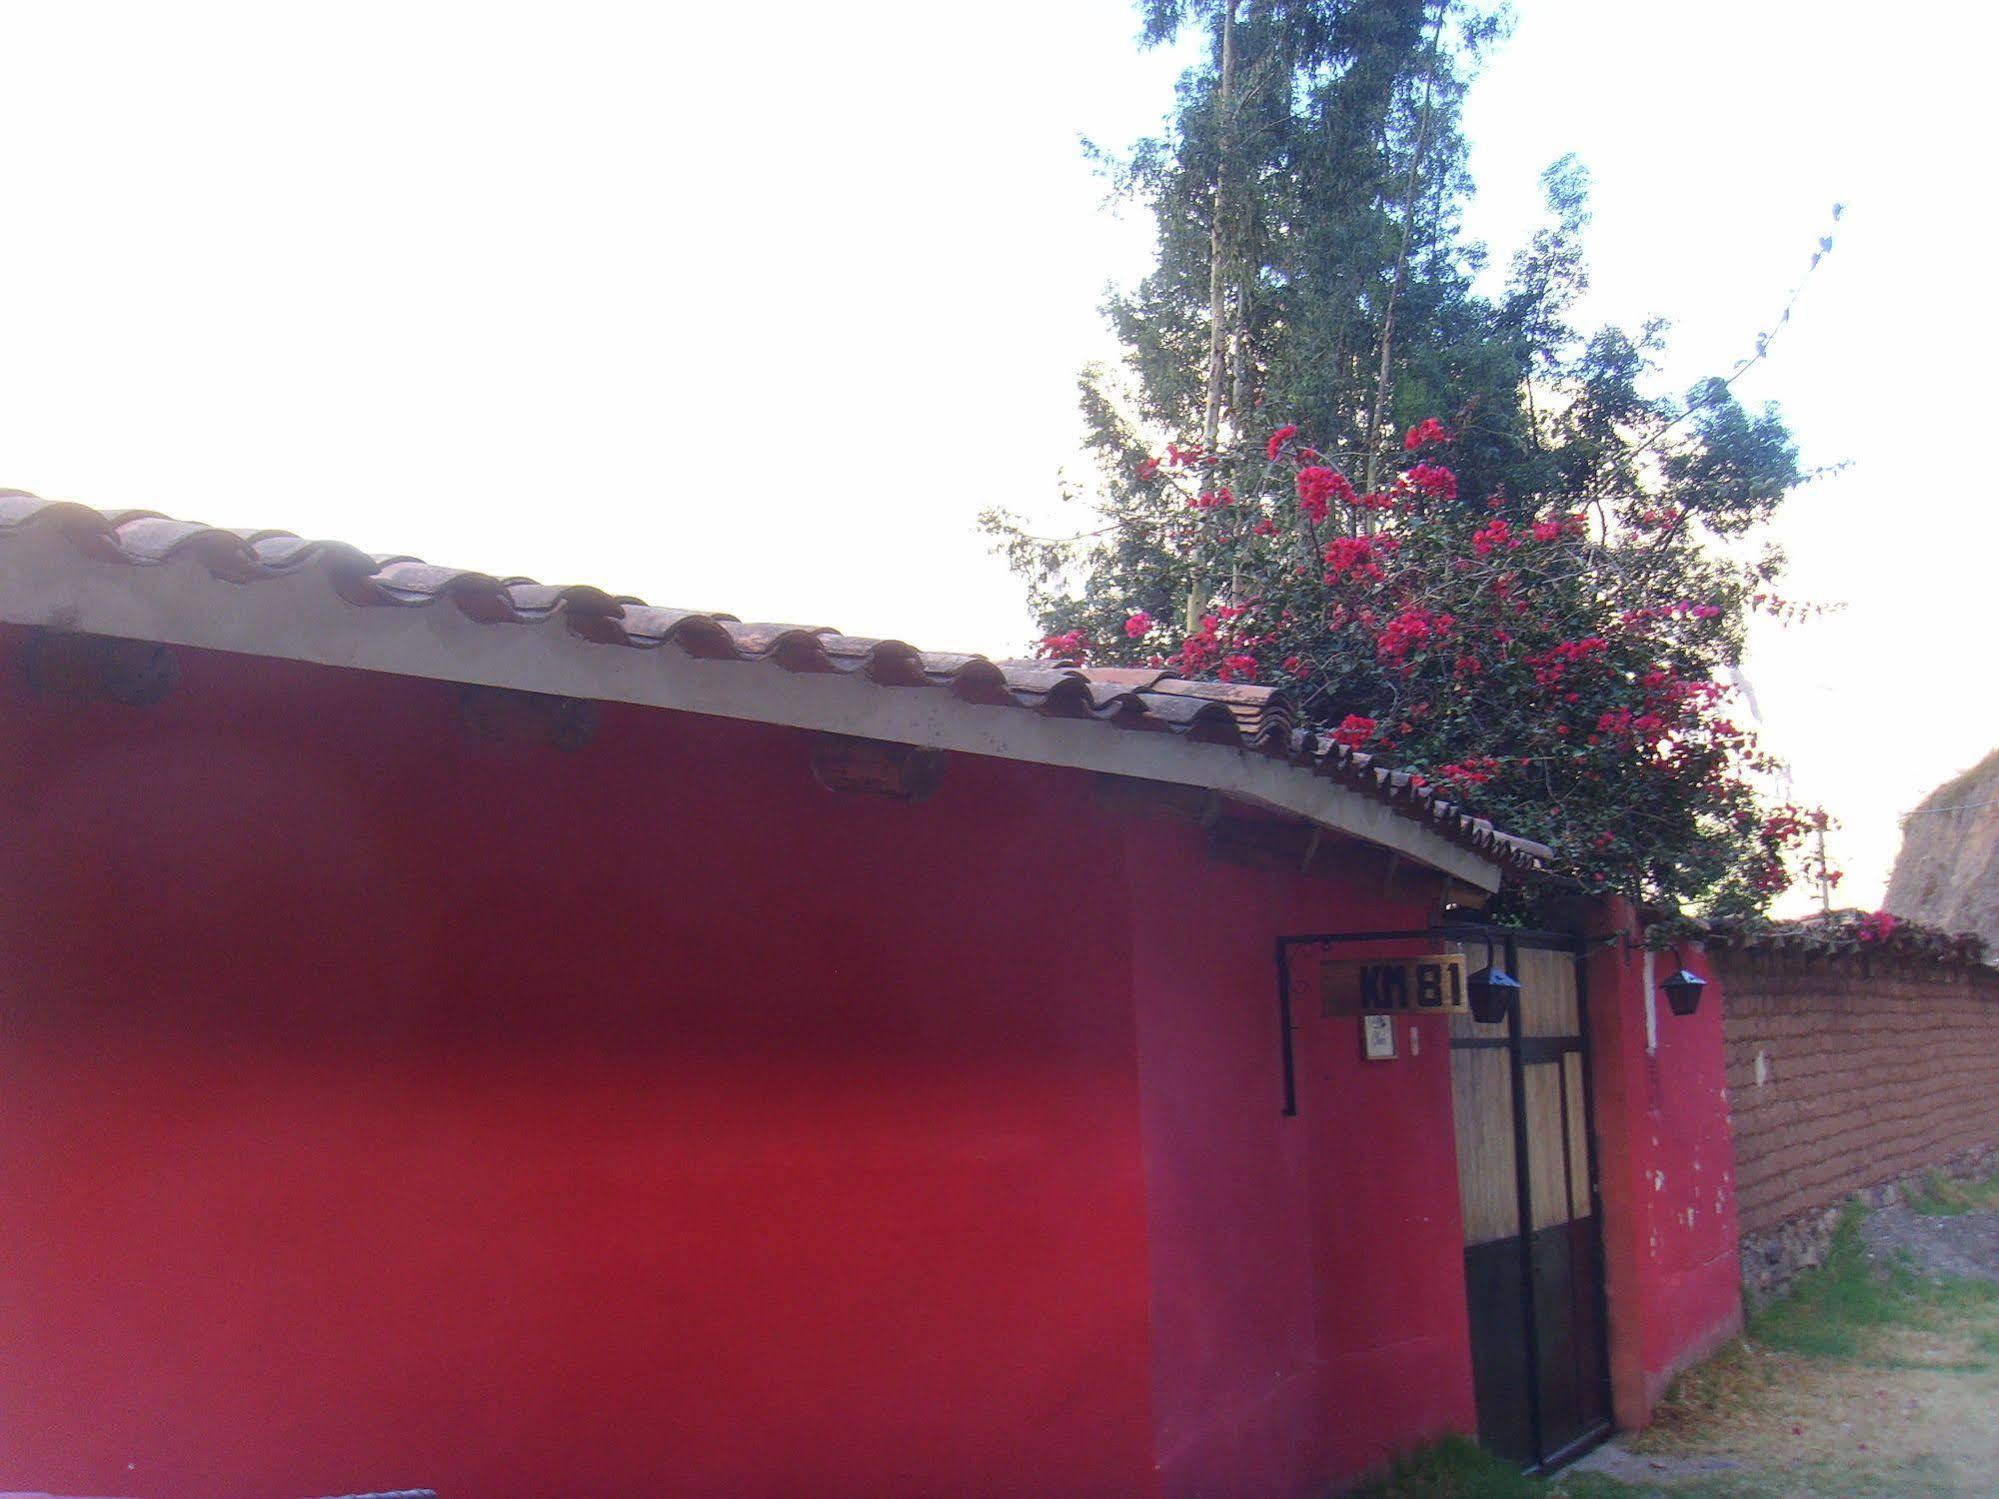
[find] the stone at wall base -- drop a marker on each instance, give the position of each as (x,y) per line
(1772,1260)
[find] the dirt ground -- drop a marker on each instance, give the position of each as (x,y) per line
(1913,1410)
(1964,1244)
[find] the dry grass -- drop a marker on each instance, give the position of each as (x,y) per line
(1734,1380)
(1870,1379)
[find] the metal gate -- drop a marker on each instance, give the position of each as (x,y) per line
(1527,1183)
(1520,1094)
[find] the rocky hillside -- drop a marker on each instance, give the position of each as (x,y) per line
(1947,873)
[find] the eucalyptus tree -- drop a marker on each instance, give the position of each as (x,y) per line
(1337,439)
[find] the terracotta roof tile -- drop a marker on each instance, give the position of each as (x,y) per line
(1261,719)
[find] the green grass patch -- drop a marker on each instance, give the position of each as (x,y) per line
(1719,1486)
(1455,1468)
(1830,1308)
(1883,1314)
(1850,1309)
(1944,1198)
(1837,1310)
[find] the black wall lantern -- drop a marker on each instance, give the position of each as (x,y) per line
(1683,988)
(1492,992)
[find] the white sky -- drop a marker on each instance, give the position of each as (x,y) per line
(756,308)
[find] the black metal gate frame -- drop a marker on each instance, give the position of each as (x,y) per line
(1522,1049)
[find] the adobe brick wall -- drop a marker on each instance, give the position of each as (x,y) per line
(1847,1075)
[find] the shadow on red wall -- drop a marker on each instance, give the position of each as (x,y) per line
(1308,1276)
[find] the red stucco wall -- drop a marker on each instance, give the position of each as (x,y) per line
(1308,1274)
(384,1106)
(1666,1164)
(379,1107)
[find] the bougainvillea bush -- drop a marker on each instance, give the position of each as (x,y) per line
(1561,666)
(1474,536)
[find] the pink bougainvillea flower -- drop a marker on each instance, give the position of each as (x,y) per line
(1433,480)
(1071,646)
(1355,731)
(1318,487)
(1345,552)
(1877,926)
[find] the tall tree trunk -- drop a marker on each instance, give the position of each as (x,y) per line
(1218,247)
(1218,209)
(1381,380)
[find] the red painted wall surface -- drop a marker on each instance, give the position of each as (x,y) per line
(380,1107)
(1308,1273)
(1667,1168)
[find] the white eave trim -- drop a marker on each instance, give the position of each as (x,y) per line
(45,581)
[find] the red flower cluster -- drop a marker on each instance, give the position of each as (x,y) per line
(1358,556)
(1073,646)
(1789,823)
(1412,627)
(1551,665)
(1631,727)
(1475,771)
(1877,926)
(1354,731)
(1318,487)
(1148,467)
(1432,480)
(1495,702)
(1198,651)
(1201,650)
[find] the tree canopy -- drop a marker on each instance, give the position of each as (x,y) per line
(1341,457)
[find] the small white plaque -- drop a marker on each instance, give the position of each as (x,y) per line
(1377,1037)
